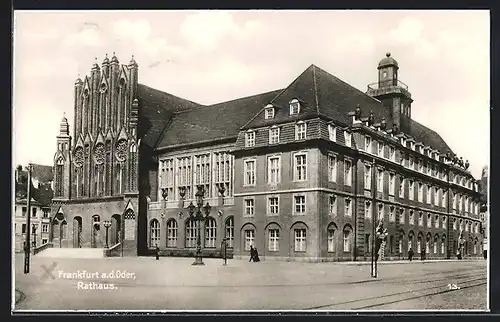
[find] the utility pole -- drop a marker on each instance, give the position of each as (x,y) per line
(27,245)
(374,214)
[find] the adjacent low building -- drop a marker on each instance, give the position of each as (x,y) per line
(41,196)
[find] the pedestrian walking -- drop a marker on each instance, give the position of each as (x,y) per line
(223,250)
(252,253)
(256,255)
(410,254)
(422,254)
(157,252)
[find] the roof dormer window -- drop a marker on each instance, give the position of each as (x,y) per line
(249,139)
(269,112)
(294,107)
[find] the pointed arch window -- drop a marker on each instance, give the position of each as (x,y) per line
(59,177)
(107,178)
(172,233)
(191,233)
(154,233)
(132,167)
(210,233)
(230,232)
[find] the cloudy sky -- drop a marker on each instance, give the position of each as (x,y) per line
(213,56)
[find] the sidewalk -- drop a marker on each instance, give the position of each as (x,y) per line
(416,261)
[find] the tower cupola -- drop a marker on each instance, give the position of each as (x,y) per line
(64,127)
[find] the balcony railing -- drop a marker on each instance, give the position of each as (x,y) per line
(387,83)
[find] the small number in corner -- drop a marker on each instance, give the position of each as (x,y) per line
(453,287)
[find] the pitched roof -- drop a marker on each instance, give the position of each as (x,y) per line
(155,110)
(319,93)
(217,121)
(322,94)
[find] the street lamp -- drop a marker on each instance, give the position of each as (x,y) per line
(107,224)
(199,213)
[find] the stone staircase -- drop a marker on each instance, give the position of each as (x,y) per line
(72,253)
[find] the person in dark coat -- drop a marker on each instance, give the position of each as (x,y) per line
(157,252)
(252,253)
(422,254)
(256,255)
(223,250)
(410,254)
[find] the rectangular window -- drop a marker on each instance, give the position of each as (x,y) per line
(33,212)
(348,207)
(368,210)
(368,144)
(401,187)
(24,210)
(332,168)
(300,240)
(269,113)
(444,222)
(401,216)
(332,132)
(401,158)
(331,240)
(332,203)
(348,138)
(436,197)
(429,192)
(274,135)
(443,198)
(368,177)
(380,180)
(420,192)
(44,241)
(380,151)
(454,223)
(274,240)
(411,192)
(300,167)
(300,131)
(299,204)
(273,206)
(249,238)
(249,207)
(273,170)
(249,172)
(45,228)
(348,173)
(392,177)
(429,221)
(411,165)
(420,166)
(392,154)
(436,221)
(380,215)
(411,218)
(421,219)
(23,229)
(392,214)
(249,139)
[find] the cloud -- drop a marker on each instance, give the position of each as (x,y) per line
(409,30)
(205,29)
(138,30)
(87,37)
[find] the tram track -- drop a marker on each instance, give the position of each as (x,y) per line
(402,296)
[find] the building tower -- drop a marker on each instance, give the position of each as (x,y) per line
(62,162)
(393,93)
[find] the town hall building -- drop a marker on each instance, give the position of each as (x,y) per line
(300,173)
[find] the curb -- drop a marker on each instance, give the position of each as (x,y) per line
(411,263)
(19,296)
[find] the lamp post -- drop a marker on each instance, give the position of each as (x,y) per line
(199,213)
(28,224)
(34,236)
(107,224)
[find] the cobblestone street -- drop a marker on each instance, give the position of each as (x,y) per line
(173,284)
